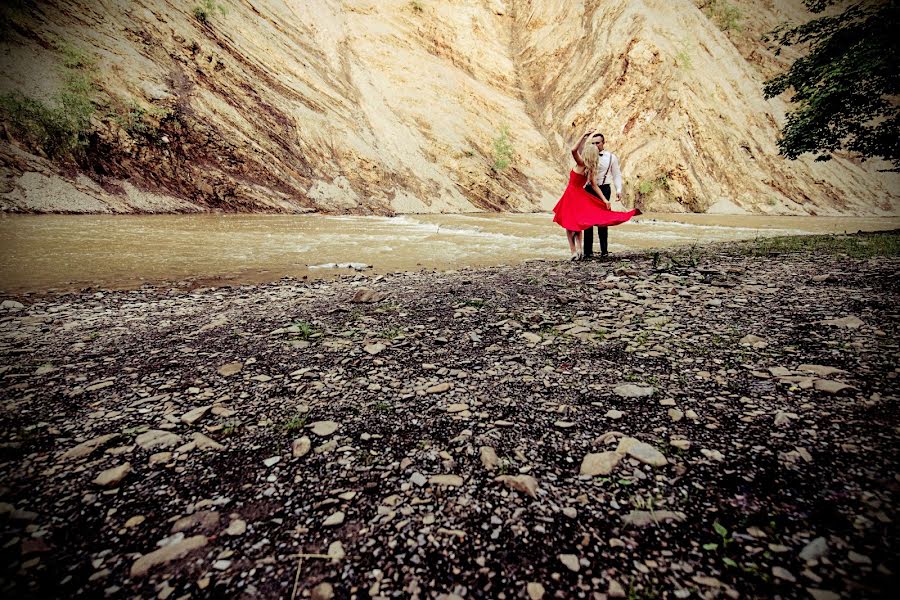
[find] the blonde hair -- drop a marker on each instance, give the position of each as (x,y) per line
(591,157)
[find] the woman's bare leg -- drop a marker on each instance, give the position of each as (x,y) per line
(570,236)
(579,240)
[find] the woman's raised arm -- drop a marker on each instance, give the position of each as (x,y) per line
(576,151)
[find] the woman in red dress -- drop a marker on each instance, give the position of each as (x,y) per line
(577,209)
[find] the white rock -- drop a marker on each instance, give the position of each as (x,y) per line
(167,554)
(535,591)
(848,322)
(195,415)
(489,458)
(301,446)
(156,438)
(531,338)
(113,476)
(814,550)
(236,527)
(446,480)
(601,463)
(85,448)
(205,443)
(570,561)
(334,519)
(336,551)
(642,451)
(230,369)
(374,349)
(324,428)
(629,390)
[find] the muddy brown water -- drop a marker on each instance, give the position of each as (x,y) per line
(69,252)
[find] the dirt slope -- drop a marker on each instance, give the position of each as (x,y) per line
(396,106)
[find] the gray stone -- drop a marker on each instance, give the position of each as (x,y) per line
(814,550)
(642,451)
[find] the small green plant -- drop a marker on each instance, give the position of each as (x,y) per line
(648,186)
(75,58)
(204,10)
(726,15)
(391,333)
(723,533)
(384,407)
(306,330)
(295,423)
(641,594)
(641,503)
(366,458)
(503,149)
(476,302)
(230,428)
(137,121)
(683,59)
(131,432)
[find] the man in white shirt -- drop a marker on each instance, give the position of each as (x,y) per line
(608,171)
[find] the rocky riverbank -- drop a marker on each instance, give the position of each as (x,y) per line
(719,422)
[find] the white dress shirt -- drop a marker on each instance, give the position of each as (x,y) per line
(608,171)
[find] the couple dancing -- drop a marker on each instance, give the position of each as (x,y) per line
(585,203)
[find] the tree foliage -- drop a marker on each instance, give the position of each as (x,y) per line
(846,89)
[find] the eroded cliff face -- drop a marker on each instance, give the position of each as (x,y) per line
(385,106)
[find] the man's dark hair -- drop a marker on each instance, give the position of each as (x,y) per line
(599,135)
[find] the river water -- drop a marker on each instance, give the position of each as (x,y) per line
(69,252)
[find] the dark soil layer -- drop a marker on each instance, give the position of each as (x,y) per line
(740,466)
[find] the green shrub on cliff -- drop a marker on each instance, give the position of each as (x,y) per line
(503,149)
(204,10)
(59,128)
(726,15)
(648,186)
(138,122)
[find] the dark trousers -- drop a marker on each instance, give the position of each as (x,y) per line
(602,232)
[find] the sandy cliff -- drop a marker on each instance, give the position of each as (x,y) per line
(380,106)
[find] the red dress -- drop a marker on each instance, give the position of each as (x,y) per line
(577,210)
